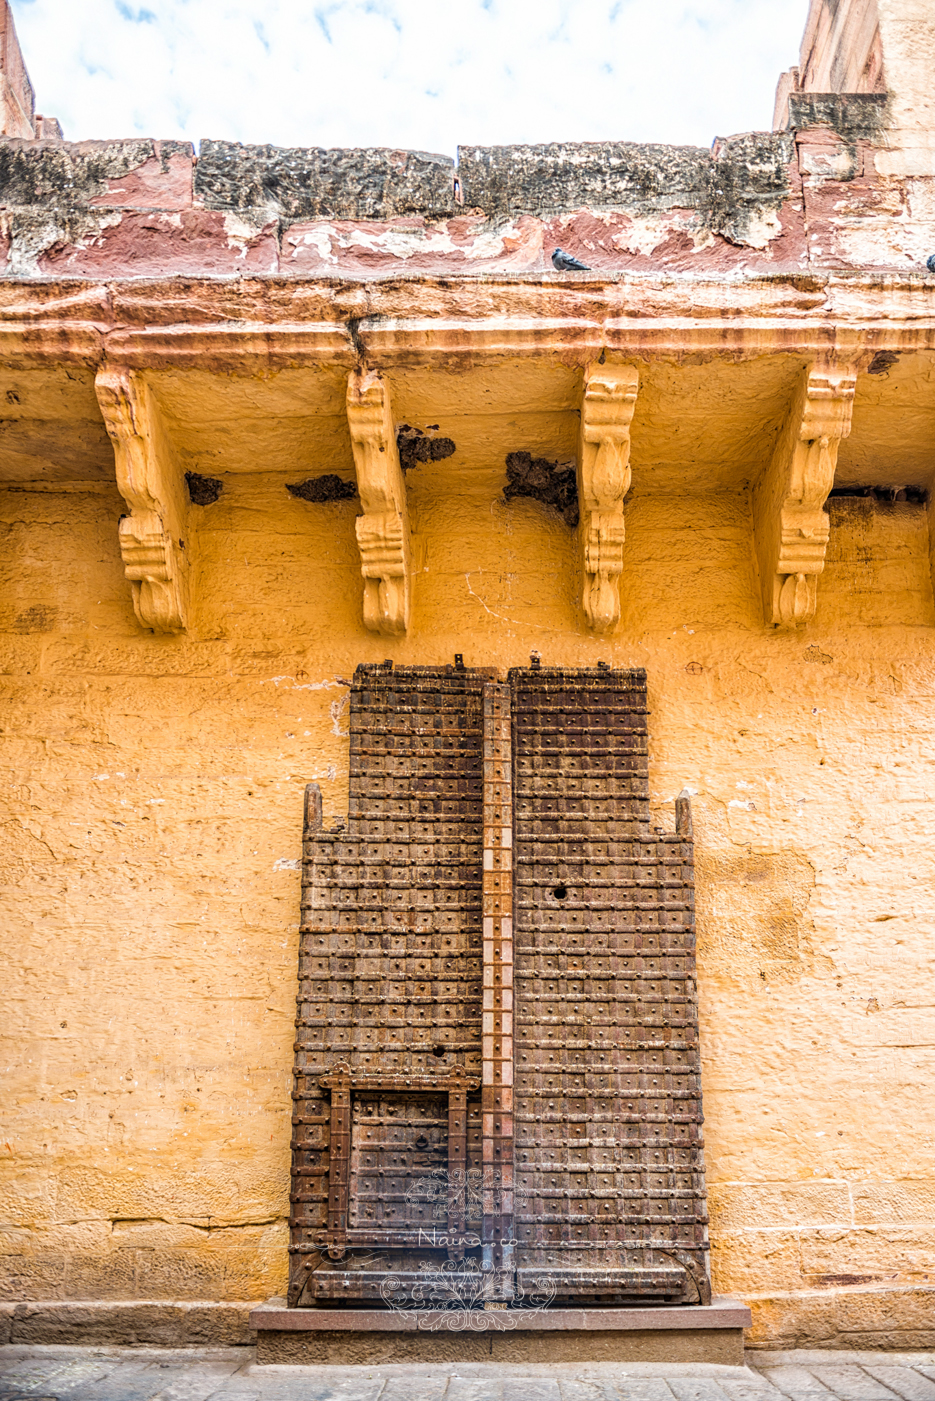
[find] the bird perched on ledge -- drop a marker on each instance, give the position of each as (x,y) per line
(930,262)
(564,262)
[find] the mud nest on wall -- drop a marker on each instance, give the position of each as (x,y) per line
(883,360)
(330,487)
(203,491)
(886,495)
(415,446)
(555,484)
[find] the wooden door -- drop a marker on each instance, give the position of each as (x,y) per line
(497,1054)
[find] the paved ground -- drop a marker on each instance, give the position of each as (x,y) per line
(137,1374)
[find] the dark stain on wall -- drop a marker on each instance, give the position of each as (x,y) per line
(313,183)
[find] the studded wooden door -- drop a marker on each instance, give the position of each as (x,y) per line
(532,1113)
(609,1168)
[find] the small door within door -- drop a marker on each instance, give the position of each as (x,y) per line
(497,1070)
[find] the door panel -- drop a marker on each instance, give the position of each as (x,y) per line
(608,1094)
(390,978)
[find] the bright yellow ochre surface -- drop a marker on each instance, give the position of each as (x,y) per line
(153,793)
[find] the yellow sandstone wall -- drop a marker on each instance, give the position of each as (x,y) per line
(150,857)
(875,46)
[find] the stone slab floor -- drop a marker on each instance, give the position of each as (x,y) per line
(138,1374)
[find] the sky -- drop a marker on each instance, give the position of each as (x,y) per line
(418,74)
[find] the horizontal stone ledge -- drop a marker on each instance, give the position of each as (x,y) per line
(127,1323)
(134,294)
(355,184)
(875,1316)
(246,350)
(722,1312)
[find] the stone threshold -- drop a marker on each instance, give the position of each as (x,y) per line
(722,1312)
(688,1333)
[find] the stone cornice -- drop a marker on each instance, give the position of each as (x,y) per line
(251,322)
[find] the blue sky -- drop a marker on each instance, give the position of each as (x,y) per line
(422,74)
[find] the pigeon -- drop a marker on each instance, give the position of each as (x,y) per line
(564,262)
(930,262)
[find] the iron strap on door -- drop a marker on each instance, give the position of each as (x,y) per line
(497,1029)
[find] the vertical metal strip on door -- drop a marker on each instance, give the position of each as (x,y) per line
(497,1085)
(610,1197)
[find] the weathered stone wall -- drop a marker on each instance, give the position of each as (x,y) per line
(841,48)
(17,100)
(882,46)
(154,789)
(154,783)
(801,199)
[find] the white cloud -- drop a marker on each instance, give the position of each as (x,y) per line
(423,74)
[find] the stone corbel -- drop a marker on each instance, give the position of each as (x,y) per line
(383,528)
(790,521)
(154,533)
(603,481)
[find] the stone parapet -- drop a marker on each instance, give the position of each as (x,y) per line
(789,201)
(312,183)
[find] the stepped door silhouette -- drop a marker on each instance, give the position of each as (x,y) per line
(496,1065)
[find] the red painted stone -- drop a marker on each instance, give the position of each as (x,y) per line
(853,223)
(196,242)
(150,186)
(408,246)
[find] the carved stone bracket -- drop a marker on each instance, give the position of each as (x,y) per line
(790,520)
(151,482)
(383,529)
(603,481)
